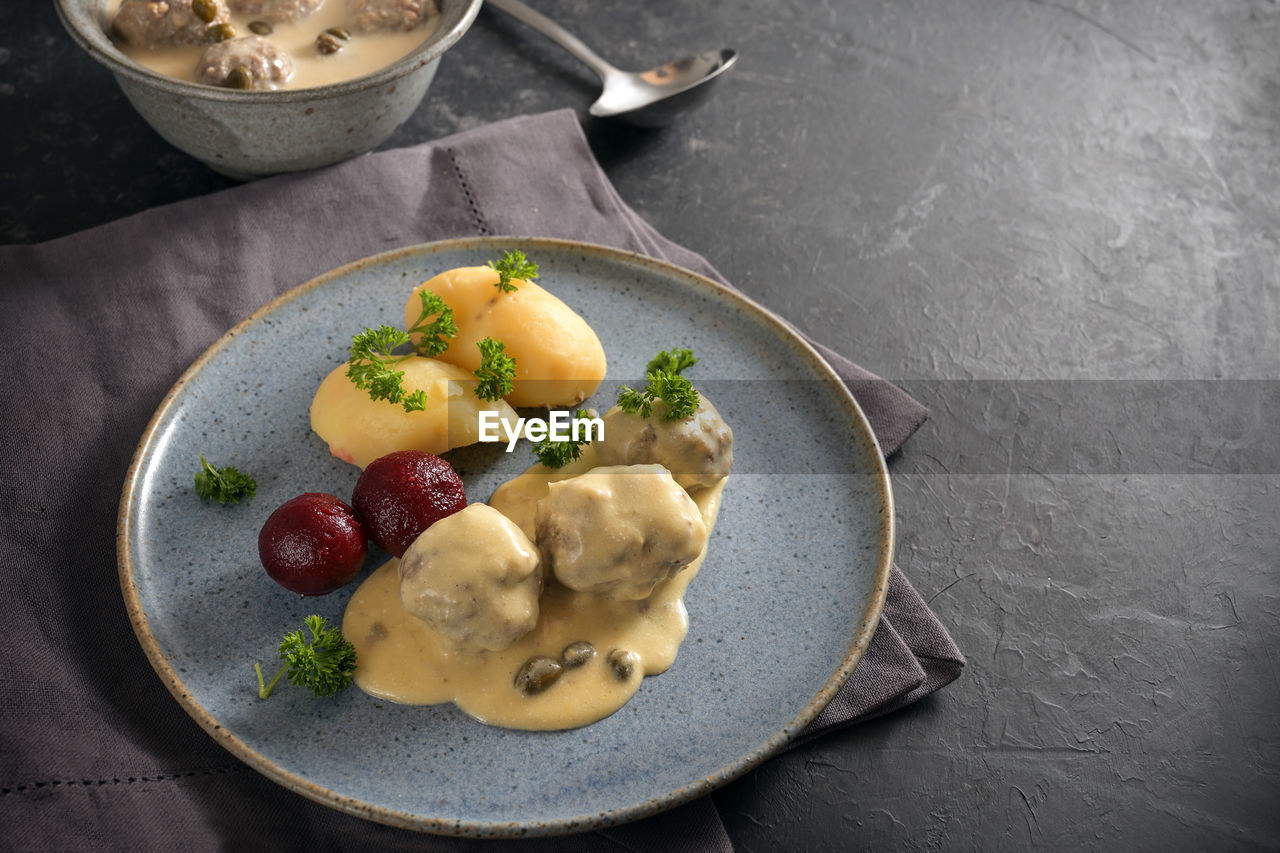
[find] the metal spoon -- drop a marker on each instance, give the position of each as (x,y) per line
(648,98)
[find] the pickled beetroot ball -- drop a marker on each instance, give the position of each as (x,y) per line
(313,544)
(402,494)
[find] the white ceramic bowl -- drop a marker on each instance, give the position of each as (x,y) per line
(251,134)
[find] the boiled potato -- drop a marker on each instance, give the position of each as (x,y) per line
(559,359)
(359,429)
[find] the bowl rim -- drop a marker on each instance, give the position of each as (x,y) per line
(99,46)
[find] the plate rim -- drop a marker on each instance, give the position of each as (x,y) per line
(512,828)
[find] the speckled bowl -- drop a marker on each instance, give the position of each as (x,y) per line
(251,134)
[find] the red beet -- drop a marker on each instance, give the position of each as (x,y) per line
(402,494)
(312,544)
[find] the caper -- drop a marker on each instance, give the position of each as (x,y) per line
(624,663)
(537,675)
(326,43)
(340,32)
(223,32)
(576,654)
(262,28)
(239,78)
(205,10)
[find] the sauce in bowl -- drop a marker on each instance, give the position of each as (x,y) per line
(355,56)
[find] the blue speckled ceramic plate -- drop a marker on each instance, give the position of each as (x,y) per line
(779,615)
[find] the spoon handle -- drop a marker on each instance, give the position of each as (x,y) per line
(556,33)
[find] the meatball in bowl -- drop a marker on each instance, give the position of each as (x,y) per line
(229,95)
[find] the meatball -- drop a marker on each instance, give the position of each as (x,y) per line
(369,15)
(163,23)
(276,10)
(618,530)
(474,578)
(698,451)
(250,62)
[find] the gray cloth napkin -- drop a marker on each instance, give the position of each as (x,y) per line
(97,326)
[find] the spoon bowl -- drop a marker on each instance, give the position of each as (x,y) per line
(650,98)
(655,97)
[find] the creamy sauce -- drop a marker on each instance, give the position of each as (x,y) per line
(402,660)
(364,53)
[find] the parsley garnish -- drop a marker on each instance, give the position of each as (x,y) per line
(635,402)
(371,363)
(674,362)
(224,485)
(373,359)
(436,334)
(496,372)
(557,454)
(666,384)
(513,265)
(326,664)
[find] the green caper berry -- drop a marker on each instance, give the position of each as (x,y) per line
(537,675)
(624,663)
(340,32)
(328,44)
(239,78)
(205,10)
(577,654)
(223,32)
(262,28)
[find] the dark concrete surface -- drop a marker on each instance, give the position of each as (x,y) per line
(1081,196)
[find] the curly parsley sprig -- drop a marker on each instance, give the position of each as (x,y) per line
(372,367)
(557,454)
(497,370)
(675,362)
(326,664)
(666,384)
(224,485)
(513,265)
(435,333)
(373,358)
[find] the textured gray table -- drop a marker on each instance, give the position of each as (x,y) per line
(1001,205)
